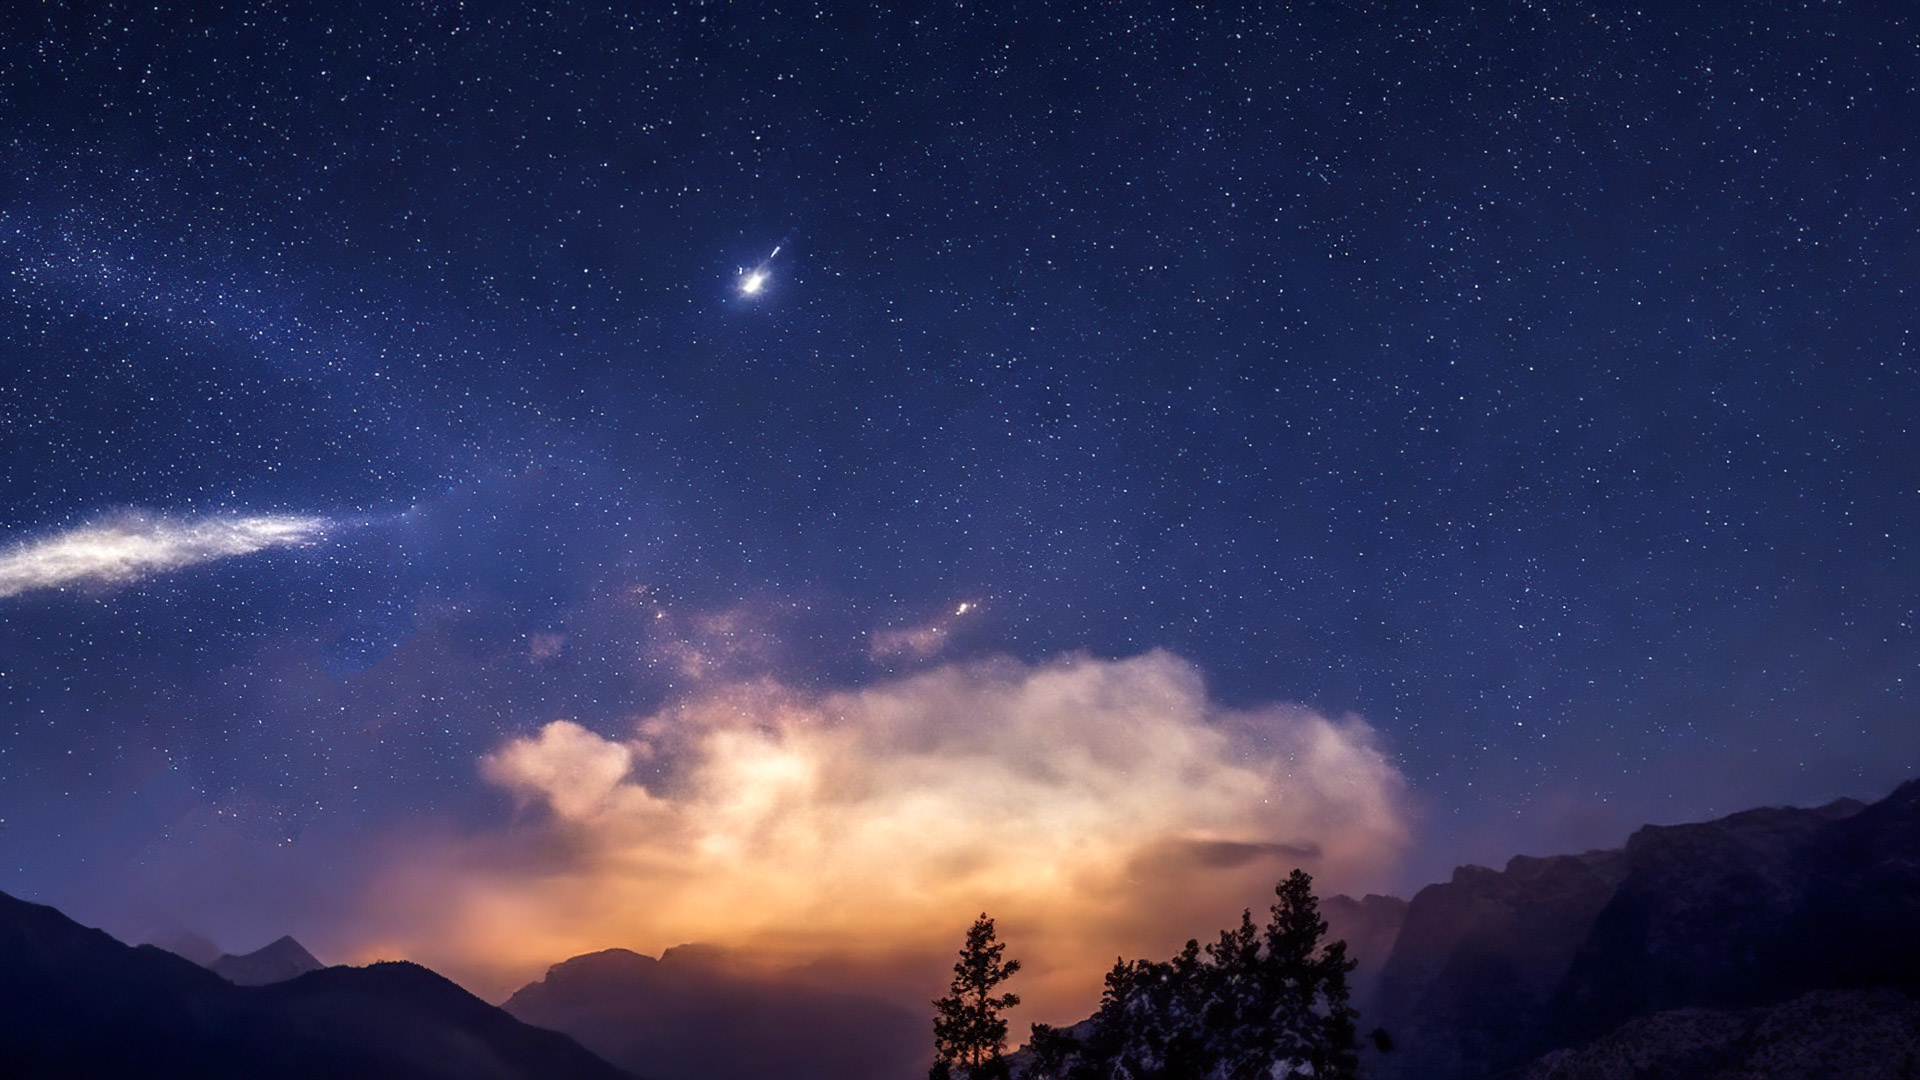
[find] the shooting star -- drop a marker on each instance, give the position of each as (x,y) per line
(752,281)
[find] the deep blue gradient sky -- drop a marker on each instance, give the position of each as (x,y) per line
(1534,380)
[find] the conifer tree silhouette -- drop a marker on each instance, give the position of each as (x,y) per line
(1263,1004)
(968,1031)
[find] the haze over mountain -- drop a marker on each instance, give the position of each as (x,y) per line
(696,1014)
(1369,926)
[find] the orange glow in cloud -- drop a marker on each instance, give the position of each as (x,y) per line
(1094,807)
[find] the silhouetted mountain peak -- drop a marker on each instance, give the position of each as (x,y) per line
(702,955)
(1840,808)
(606,968)
(75,1002)
(1769,830)
(284,959)
(606,959)
(1907,794)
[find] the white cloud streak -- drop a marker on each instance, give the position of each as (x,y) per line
(132,546)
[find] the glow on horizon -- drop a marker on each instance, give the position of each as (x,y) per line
(1094,807)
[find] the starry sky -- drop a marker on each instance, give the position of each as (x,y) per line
(1505,405)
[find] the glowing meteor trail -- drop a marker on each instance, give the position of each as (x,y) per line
(752,281)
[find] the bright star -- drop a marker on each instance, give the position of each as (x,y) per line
(752,281)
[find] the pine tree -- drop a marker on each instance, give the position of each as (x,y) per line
(968,1031)
(1312,1010)
(1263,1004)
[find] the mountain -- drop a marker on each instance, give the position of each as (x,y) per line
(74,1002)
(282,960)
(1369,926)
(1495,968)
(190,945)
(693,1014)
(1479,957)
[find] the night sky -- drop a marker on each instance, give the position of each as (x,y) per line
(1525,388)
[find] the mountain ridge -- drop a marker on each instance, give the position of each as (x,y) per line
(280,960)
(76,1002)
(1494,968)
(696,1014)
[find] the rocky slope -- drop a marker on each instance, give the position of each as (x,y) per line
(1495,968)
(1823,1035)
(1479,958)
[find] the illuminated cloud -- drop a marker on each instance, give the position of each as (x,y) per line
(133,546)
(1094,807)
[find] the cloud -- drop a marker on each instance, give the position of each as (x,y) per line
(575,769)
(1094,807)
(135,545)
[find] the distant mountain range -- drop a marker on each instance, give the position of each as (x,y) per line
(76,1003)
(694,1014)
(1777,943)
(276,962)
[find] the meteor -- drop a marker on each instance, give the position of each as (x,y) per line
(752,281)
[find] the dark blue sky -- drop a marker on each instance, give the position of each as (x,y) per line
(1534,380)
